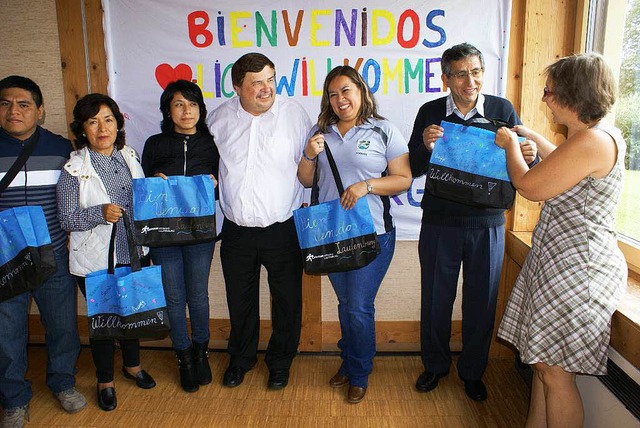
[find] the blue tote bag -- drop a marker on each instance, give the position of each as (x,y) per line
(27,258)
(177,211)
(467,167)
(126,302)
(331,238)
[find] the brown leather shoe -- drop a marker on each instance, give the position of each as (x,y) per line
(356,394)
(338,380)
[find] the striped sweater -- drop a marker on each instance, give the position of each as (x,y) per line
(36,183)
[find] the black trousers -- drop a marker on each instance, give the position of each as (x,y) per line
(242,251)
(442,249)
(103,351)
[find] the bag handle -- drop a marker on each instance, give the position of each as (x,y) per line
(489,124)
(112,250)
(133,250)
(315,189)
(334,169)
(20,160)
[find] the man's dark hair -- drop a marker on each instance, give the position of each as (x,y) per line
(249,63)
(458,52)
(23,83)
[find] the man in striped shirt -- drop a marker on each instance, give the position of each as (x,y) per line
(21,108)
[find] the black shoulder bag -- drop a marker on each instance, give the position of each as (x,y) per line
(331,238)
(466,167)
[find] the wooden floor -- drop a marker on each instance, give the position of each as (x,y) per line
(308,401)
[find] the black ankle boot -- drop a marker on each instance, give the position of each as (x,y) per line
(201,362)
(188,377)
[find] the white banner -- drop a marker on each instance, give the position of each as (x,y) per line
(395,45)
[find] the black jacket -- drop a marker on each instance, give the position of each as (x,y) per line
(180,154)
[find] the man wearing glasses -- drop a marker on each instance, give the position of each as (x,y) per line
(453,233)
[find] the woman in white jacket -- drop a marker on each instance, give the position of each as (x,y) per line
(95,187)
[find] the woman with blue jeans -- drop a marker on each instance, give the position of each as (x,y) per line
(185,147)
(373,161)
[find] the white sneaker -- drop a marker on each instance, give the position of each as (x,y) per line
(14,418)
(71,400)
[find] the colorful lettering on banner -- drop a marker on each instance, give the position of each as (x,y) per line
(397,47)
(385,29)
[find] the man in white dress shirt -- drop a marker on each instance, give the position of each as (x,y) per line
(260,137)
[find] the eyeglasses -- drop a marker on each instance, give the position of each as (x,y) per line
(546,92)
(475,73)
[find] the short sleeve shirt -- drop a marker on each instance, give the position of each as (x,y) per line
(364,152)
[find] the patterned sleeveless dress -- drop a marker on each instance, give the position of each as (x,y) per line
(572,280)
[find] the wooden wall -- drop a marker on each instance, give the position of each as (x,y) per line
(29,47)
(82,54)
(550,30)
(542,31)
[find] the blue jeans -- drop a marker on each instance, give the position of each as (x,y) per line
(56,300)
(185,276)
(356,291)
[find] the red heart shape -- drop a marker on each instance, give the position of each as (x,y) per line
(166,74)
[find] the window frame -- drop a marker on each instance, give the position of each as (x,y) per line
(599,33)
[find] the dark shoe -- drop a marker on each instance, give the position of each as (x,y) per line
(338,380)
(142,378)
(233,376)
(278,378)
(201,362)
(475,389)
(107,398)
(188,376)
(428,381)
(356,394)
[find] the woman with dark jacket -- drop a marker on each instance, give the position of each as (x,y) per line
(185,147)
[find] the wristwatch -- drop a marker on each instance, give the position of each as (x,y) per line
(369,186)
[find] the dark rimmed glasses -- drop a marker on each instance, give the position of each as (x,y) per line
(546,92)
(475,73)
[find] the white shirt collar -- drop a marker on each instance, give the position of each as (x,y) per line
(479,108)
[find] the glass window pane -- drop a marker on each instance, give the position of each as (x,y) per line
(628,120)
